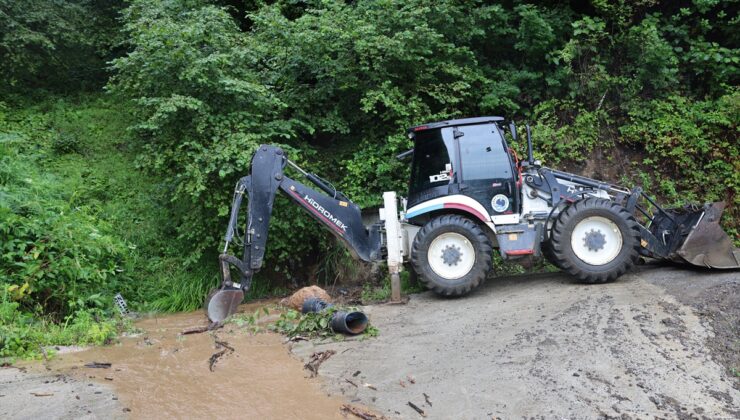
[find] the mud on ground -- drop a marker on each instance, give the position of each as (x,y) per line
(160,373)
(716,301)
(652,344)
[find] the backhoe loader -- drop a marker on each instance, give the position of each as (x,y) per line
(470,194)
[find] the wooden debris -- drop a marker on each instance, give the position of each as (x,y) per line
(426,397)
(361,413)
(354,375)
(194,330)
(225,345)
(108,378)
(215,325)
(370,386)
(351,383)
(98,365)
(42,394)
(316,360)
(46,357)
(417,409)
(297,338)
(215,356)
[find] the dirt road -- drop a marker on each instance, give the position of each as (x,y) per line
(659,342)
(544,346)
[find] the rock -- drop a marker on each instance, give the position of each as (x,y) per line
(295,301)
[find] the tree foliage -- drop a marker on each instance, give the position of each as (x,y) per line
(337,83)
(632,91)
(57,45)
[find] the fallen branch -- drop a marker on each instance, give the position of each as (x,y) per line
(417,409)
(42,394)
(98,365)
(358,412)
(316,360)
(46,357)
(215,325)
(351,383)
(225,345)
(426,397)
(194,330)
(215,356)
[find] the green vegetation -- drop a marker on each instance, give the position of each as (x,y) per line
(382,292)
(124,125)
(313,324)
(293,323)
(22,334)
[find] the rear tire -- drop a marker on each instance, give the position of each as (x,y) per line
(595,240)
(547,248)
(451,255)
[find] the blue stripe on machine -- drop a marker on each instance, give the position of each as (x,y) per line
(424,210)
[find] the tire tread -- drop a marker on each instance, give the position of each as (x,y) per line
(480,241)
(565,259)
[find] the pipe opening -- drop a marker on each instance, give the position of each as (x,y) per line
(349,323)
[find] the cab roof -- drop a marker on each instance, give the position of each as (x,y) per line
(458,122)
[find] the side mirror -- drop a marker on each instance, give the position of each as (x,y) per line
(512,129)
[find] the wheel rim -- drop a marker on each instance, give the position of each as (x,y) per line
(596,240)
(451,255)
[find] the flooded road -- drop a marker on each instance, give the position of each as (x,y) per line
(161,373)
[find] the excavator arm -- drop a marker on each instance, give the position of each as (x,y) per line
(329,207)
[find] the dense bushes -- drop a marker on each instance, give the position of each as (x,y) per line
(61,259)
(56,252)
(131,193)
(56,45)
(336,84)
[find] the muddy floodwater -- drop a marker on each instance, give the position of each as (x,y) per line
(164,374)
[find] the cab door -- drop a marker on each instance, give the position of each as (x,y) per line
(486,169)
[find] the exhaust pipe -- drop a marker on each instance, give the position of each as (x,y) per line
(351,323)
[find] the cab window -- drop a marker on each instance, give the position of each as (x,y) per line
(482,153)
(432,165)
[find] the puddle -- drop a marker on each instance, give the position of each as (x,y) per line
(163,374)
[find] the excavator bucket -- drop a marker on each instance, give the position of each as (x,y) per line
(221,303)
(707,244)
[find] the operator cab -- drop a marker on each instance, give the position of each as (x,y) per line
(468,157)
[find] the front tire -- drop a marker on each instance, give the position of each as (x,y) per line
(595,240)
(451,255)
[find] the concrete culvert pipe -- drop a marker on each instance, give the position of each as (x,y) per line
(342,322)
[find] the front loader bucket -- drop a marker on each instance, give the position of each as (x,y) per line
(707,245)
